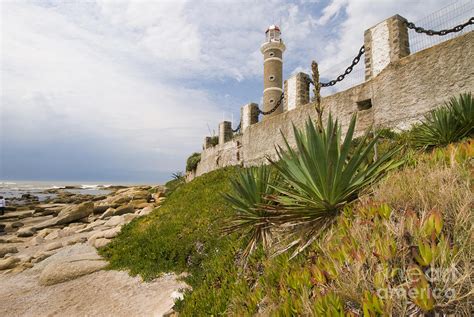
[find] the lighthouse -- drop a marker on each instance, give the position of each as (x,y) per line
(272,50)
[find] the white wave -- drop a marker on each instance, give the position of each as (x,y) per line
(89,186)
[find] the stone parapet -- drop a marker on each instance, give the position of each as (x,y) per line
(225,132)
(296,90)
(385,43)
(248,115)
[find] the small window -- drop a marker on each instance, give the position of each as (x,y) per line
(271,78)
(272,101)
(271,54)
(364,104)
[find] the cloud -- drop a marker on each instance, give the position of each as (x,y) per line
(122,86)
(331,11)
(68,87)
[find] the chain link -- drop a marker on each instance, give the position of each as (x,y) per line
(457,28)
(238,128)
(348,70)
(274,108)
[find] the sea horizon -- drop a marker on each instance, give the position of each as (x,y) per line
(16,188)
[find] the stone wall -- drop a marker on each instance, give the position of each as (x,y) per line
(397,97)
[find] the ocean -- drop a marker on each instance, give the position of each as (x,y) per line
(14,189)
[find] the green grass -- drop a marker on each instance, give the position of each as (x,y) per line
(180,234)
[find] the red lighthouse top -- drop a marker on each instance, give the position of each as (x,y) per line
(273,33)
(273,27)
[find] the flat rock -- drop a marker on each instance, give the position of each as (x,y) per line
(40,256)
(76,239)
(17,214)
(53,246)
(111,233)
(108,213)
(69,264)
(101,242)
(124,210)
(8,263)
(114,221)
(145,211)
(129,217)
(69,214)
(7,249)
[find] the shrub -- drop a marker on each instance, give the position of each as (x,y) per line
(320,176)
(192,162)
(447,124)
(214,140)
(177,180)
(252,189)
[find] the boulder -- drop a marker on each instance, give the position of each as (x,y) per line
(26,232)
(69,214)
(66,265)
(17,224)
(43,233)
(37,240)
(100,209)
(49,209)
(95,236)
(7,249)
(124,210)
(111,233)
(145,211)
(8,263)
(101,242)
(114,221)
(126,195)
(138,203)
(129,217)
(54,234)
(108,213)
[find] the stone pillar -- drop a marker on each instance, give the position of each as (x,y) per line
(385,43)
(207,142)
(296,91)
(248,115)
(225,132)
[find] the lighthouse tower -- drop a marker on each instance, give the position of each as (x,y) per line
(272,50)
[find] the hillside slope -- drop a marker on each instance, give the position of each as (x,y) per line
(353,269)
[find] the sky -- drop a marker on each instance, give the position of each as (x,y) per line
(125,91)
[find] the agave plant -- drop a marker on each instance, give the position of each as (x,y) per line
(447,124)
(320,176)
(252,190)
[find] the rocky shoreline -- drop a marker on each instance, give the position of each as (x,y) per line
(54,242)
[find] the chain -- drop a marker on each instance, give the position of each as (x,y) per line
(274,108)
(457,28)
(238,128)
(348,70)
(356,59)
